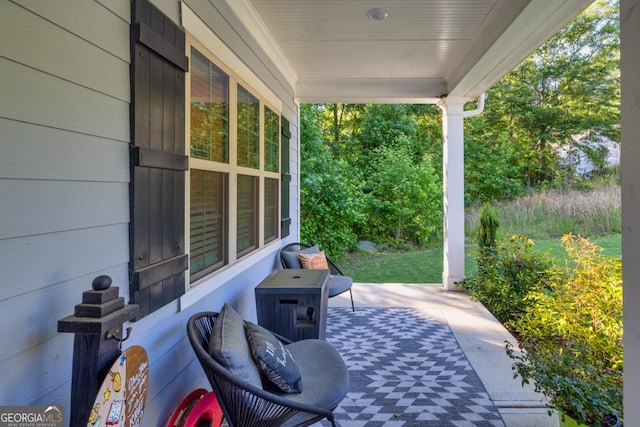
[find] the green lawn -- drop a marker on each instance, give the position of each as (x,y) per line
(415,266)
(425,266)
(611,243)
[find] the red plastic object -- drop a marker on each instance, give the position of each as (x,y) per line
(199,405)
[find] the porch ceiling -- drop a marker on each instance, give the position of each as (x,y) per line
(330,50)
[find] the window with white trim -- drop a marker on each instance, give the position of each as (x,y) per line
(234,178)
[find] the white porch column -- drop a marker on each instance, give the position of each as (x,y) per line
(453,183)
(630,71)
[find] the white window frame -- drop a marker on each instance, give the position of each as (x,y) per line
(204,42)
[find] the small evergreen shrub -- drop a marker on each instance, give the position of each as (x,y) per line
(487,238)
(488,229)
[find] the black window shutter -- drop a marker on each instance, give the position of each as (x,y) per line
(157,157)
(285,181)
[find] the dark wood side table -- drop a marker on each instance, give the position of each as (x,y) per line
(293,303)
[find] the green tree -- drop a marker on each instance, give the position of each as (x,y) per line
(569,86)
(330,197)
(404,201)
(386,125)
(340,122)
(492,168)
(372,158)
(428,120)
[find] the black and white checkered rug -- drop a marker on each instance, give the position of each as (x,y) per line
(406,369)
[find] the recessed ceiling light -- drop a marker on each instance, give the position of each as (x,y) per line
(377,14)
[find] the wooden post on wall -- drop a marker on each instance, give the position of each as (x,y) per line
(97,323)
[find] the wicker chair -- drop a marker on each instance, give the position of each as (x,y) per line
(324,375)
(338,284)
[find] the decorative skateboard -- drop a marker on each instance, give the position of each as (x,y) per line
(122,396)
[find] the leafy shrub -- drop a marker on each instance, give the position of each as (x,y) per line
(588,392)
(506,275)
(571,335)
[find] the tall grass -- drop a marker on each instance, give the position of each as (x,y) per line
(543,216)
(552,213)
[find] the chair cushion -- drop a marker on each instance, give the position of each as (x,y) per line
(339,284)
(314,261)
(326,379)
(274,360)
(229,347)
(290,258)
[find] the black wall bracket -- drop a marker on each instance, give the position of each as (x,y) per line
(97,325)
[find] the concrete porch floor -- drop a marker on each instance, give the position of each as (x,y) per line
(480,335)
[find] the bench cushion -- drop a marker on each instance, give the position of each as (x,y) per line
(229,347)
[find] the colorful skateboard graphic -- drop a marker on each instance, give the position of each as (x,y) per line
(122,396)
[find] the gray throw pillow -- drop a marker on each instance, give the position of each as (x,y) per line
(274,359)
(229,347)
(290,260)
